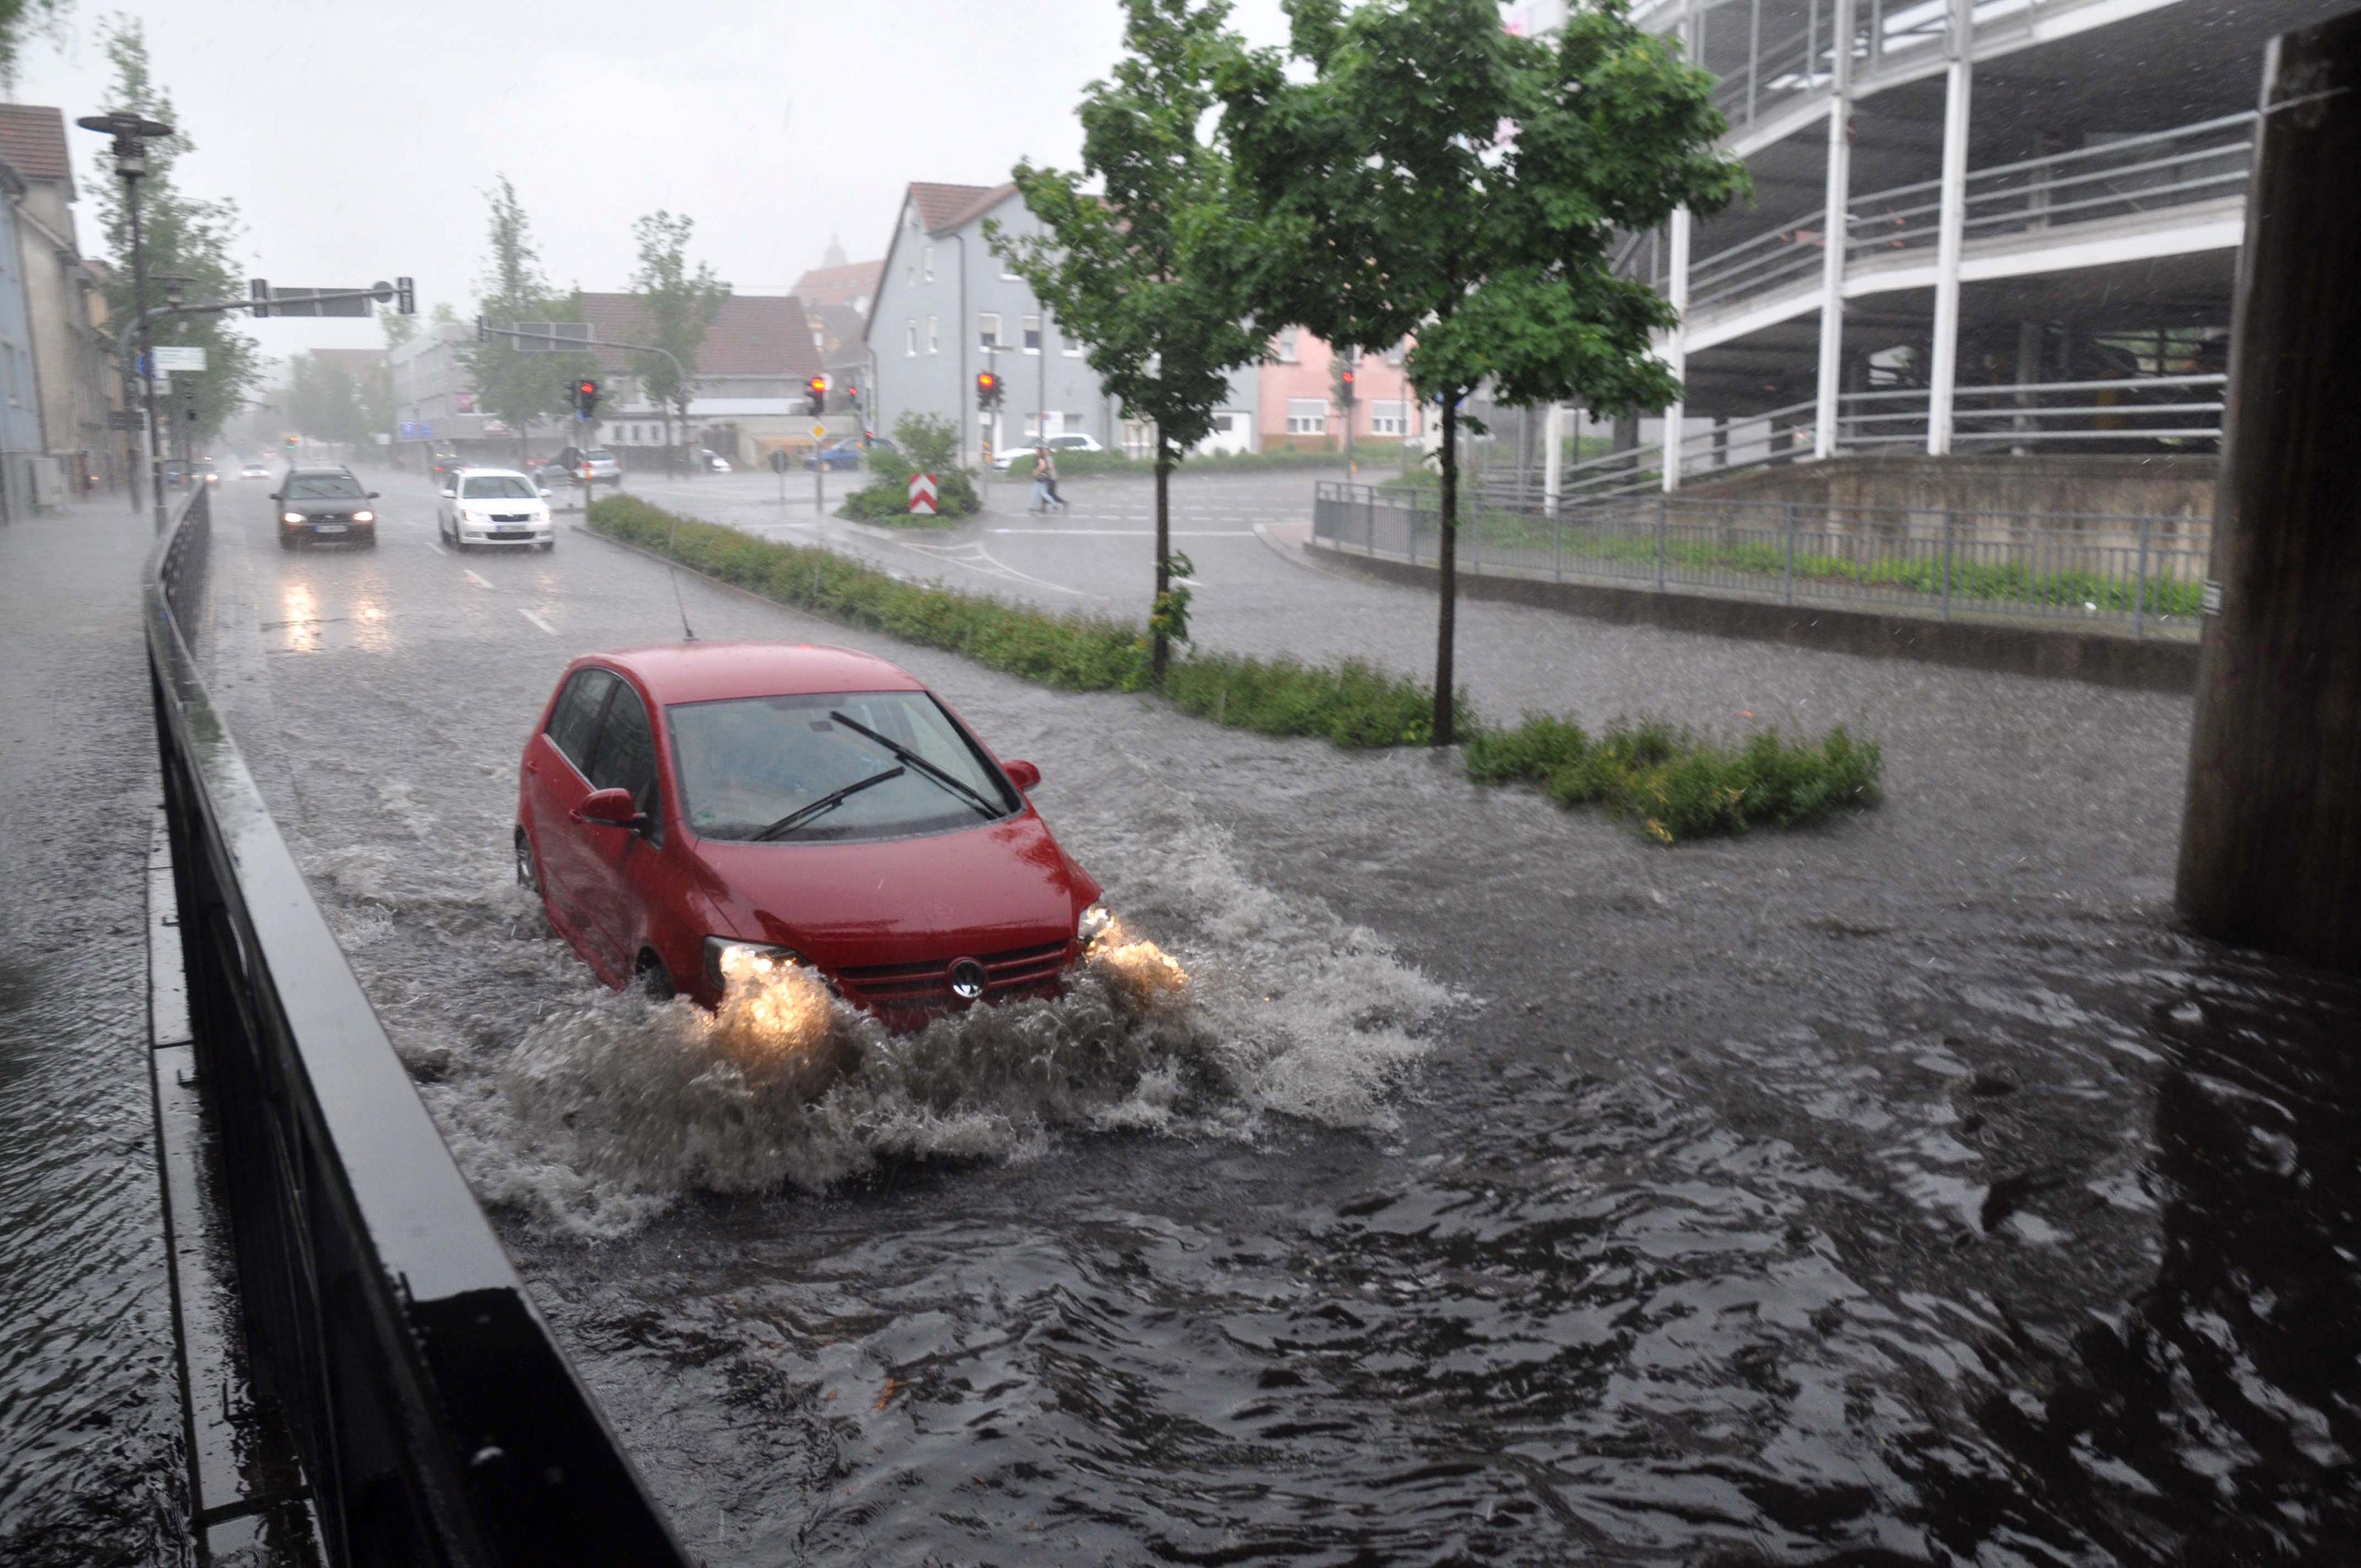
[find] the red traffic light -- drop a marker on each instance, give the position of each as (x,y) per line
(587,388)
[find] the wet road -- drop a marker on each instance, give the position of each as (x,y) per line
(1513,1191)
(90,1418)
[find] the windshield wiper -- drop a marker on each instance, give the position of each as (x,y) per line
(829,802)
(918,762)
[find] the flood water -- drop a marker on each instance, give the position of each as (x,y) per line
(1505,1189)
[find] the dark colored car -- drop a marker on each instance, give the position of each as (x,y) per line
(849,453)
(692,812)
(323,503)
(442,460)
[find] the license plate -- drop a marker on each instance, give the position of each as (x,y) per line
(327,528)
(514,528)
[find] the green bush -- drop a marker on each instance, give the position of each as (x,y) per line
(929,445)
(1679,787)
(1675,786)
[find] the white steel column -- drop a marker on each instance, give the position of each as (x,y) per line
(1553,458)
(1944,373)
(1836,232)
(1677,349)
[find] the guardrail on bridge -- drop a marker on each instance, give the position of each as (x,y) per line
(435,1418)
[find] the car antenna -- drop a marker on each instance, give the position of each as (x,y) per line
(672,545)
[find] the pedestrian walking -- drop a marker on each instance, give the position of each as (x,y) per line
(1049,477)
(1045,482)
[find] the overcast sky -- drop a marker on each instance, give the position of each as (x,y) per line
(358,140)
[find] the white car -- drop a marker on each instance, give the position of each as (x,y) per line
(1070,441)
(715,462)
(494,506)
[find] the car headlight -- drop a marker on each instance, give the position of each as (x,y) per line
(1093,924)
(364,517)
(727,959)
(291,517)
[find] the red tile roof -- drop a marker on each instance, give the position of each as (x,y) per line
(943,207)
(33,143)
(840,285)
(753,335)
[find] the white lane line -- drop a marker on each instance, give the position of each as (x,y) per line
(479,582)
(976,558)
(1134,532)
(438,543)
(536,621)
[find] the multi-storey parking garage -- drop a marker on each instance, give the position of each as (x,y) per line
(2037,205)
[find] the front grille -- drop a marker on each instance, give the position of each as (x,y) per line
(512,517)
(928,984)
(332,517)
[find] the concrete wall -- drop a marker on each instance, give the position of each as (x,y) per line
(2146,487)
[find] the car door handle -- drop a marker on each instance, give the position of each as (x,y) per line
(531,766)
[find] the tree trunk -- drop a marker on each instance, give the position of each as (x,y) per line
(1159,651)
(1447,572)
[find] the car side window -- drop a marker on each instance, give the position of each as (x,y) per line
(574,722)
(626,755)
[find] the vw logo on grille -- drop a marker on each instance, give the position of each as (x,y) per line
(967,978)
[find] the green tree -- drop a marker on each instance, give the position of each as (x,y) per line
(1142,273)
(180,235)
(1432,176)
(521,387)
(327,402)
(680,306)
(19,20)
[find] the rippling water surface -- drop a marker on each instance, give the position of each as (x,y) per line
(1507,1190)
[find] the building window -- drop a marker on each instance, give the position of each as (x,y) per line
(1388,418)
(1068,347)
(910,337)
(928,257)
(1307,416)
(987,329)
(933,335)
(1287,345)
(1032,334)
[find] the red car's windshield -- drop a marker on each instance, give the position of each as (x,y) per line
(746,763)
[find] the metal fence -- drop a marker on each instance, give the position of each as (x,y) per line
(2144,572)
(436,1419)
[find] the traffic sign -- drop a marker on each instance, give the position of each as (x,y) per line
(922,494)
(175,356)
(818,431)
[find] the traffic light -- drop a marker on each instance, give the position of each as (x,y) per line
(586,398)
(987,390)
(817,391)
(405,294)
(483,330)
(291,439)
(258,290)
(1345,385)
(852,397)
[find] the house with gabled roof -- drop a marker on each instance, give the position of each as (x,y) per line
(948,309)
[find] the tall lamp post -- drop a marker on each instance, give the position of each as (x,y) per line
(132,133)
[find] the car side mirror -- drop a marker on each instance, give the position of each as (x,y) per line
(449,494)
(373,495)
(544,491)
(277,496)
(611,808)
(1023,776)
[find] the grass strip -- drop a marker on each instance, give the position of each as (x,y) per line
(1674,785)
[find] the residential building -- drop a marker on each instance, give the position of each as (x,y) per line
(836,282)
(948,309)
(751,376)
(20,402)
(1302,408)
(2036,207)
(72,353)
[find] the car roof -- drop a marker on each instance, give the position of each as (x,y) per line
(711,671)
(469,468)
(319,473)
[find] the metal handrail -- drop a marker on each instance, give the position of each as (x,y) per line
(435,1418)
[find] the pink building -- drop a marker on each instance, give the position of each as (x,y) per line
(1300,411)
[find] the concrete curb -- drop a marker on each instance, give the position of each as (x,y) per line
(2044,653)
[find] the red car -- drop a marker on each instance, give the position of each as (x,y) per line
(688,807)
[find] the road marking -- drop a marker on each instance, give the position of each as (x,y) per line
(976,558)
(479,582)
(1134,532)
(536,621)
(438,545)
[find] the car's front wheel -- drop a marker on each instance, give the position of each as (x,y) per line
(528,871)
(287,539)
(654,979)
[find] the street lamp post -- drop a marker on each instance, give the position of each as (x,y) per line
(132,132)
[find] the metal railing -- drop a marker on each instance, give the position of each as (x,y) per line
(2143,572)
(436,1419)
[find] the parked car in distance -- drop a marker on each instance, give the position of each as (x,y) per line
(324,503)
(715,462)
(690,810)
(494,506)
(604,468)
(844,454)
(1069,441)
